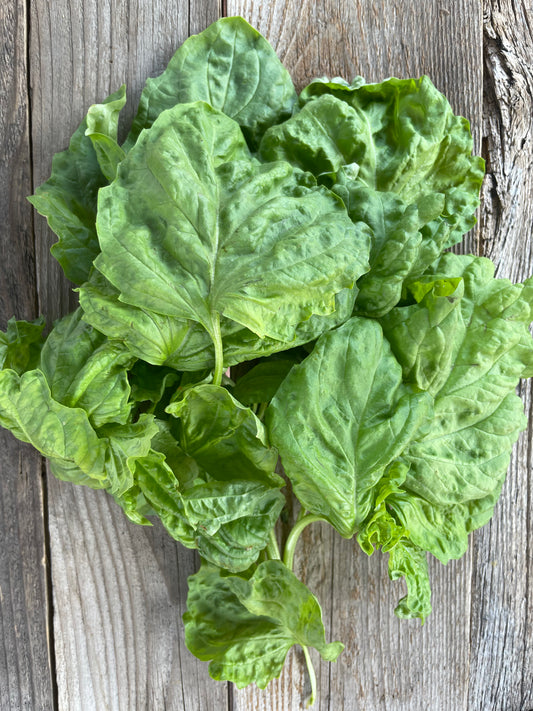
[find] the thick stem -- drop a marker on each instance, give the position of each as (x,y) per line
(294,535)
(272,547)
(219,351)
(312,675)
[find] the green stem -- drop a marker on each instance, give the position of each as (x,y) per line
(262,410)
(312,675)
(219,351)
(272,547)
(294,535)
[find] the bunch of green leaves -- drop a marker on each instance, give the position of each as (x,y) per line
(264,275)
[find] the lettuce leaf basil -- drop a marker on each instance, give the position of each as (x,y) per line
(262,278)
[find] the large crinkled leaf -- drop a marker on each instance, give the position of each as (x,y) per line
(399,248)
(420,146)
(340,418)
(230,66)
(20,345)
(229,522)
(226,439)
(68,201)
(472,373)
(184,344)
(245,627)
(63,434)
(84,369)
(402,163)
(186,230)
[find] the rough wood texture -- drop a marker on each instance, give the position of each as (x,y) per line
(119,590)
(501,675)
(25,679)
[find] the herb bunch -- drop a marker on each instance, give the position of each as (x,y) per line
(304,236)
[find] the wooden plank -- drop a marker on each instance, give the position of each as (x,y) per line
(119,590)
(389,663)
(25,678)
(502,623)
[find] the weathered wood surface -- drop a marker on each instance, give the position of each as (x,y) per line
(25,678)
(119,590)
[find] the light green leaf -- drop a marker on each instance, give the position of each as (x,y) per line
(419,145)
(471,354)
(184,344)
(126,446)
(246,627)
(410,562)
(340,418)
(20,345)
(400,246)
(63,434)
(84,369)
(325,135)
(248,241)
(102,129)
(231,67)
(68,201)
(422,334)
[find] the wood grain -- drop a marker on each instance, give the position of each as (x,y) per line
(502,623)
(25,674)
(388,663)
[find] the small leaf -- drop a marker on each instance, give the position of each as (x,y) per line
(245,627)
(102,129)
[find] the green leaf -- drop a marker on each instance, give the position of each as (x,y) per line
(84,369)
(228,521)
(231,67)
(471,359)
(63,434)
(261,382)
(245,627)
(410,562)
(126,446)
(248,241)
(421,335)
(340,418)
(20,345)
(400,246)
(68,201)
(102,129)
(418,145)
(393,534)
(226,439)
(325,135)
(184,344)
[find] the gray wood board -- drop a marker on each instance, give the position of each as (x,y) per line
(119,590)
(25,675)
